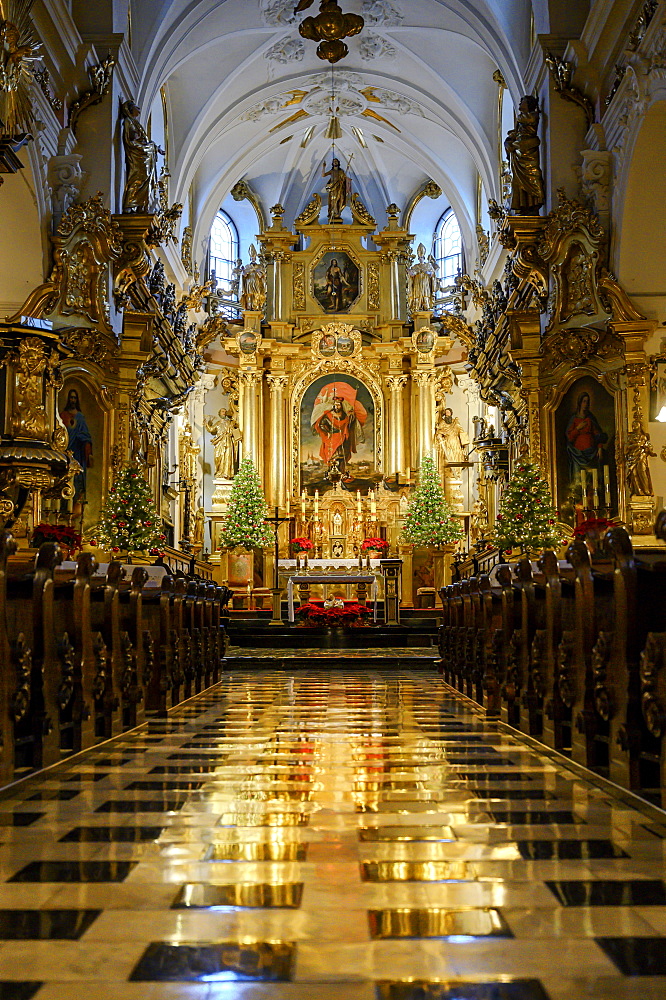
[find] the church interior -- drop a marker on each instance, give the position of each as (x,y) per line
(332,519)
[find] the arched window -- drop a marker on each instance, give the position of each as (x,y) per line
(448,247)
(224,249)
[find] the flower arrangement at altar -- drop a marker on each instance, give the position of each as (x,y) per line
(374,545)
(333,614)
(302,545)
(68,538)
(595,527)
(430,522)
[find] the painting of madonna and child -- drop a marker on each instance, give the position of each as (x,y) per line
(585,452)
(338,433)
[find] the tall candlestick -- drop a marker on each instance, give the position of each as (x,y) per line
(373,503)
(583,485)
(595,486)
(607,490)
(316,503)
(288,506)
(303,503)
(358,502)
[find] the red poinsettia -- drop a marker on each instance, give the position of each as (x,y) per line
(316,616)
(595,526)
(378,544)
(60,533)
(302,544)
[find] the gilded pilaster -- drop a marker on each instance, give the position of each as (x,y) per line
(426,382)
(396,453)
(278,451)
(250,381)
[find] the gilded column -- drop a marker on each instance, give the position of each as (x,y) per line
(396,446)
(278,452)
(426,381)
(249,380)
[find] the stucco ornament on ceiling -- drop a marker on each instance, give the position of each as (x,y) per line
(382,12)
(278,11)
(346,100)
(374,46)
(287,50)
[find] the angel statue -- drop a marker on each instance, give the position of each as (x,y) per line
(254,284)
(141,186)
(422,283)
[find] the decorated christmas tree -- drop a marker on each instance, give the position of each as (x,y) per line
(430,521)
(244,522)
(527,520)
(129,521)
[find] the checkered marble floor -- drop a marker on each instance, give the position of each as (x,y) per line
(328,836)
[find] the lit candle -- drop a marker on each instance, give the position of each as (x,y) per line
(607,491)
(373,503)
(358,502)
(316,503)
(583,484)
(595,486)
(303,503)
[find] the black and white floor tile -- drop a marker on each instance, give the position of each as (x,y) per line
(328,836)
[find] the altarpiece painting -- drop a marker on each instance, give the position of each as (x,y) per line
(337,428)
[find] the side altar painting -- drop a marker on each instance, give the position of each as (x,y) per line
(585,451)
(337,426)
(84,422)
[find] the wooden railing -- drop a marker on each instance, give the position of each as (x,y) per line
(87,654)
(572,652)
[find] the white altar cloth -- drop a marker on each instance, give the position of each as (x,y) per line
(344,578)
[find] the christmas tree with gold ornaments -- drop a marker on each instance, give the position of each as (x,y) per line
(430,522)
(129,521)
(244,525)
(527,519)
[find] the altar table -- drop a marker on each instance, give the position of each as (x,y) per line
(326,578)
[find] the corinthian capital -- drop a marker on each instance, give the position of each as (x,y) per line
(396,383)
(277,383)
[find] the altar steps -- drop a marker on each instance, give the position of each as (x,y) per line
(389,658)
(258,633)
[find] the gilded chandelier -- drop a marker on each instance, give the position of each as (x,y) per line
(328,28)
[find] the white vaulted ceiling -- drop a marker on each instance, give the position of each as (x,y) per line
(418,84)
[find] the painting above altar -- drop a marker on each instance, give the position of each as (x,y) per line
(336,281)
(337,426)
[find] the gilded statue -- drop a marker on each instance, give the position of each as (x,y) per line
(522,148)
(226,440)
(421,283)
(451,438)
(479,520)
(141,187)
(637,453)
(337,189)
(254,284)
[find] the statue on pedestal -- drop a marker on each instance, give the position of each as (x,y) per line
(522,148)
(254,284)
(637,453)
(337,189)
(225,441)
(451,439)
(141,192)
(421,284)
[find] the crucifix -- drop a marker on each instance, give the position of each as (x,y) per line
(276,521)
